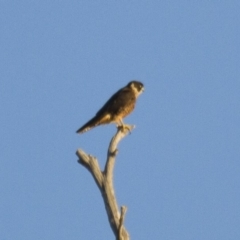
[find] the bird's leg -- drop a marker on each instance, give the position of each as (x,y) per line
(124,126)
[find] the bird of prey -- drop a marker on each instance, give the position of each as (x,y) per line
(116,108)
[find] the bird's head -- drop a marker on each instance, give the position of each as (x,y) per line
(136,86)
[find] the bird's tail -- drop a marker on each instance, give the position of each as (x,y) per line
(89,125)
(95,121)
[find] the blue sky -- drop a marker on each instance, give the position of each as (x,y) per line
(178,172)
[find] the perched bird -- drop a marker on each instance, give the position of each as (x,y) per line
(116,108)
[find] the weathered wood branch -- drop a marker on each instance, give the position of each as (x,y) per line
(104,181)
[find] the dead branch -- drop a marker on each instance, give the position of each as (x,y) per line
(104,181)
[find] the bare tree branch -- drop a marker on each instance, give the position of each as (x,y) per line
(104,181)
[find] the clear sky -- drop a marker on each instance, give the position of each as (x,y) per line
(178,172)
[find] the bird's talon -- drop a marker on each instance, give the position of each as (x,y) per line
(124,128)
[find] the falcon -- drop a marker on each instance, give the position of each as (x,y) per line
(116,108)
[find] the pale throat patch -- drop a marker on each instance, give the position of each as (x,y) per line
(136,91)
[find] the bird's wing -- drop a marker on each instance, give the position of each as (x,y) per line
(119,100)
